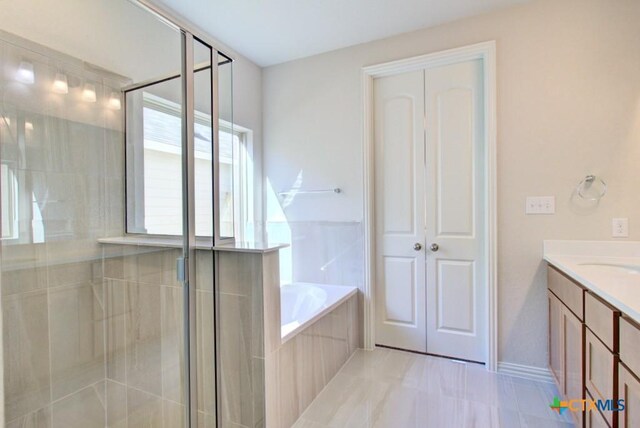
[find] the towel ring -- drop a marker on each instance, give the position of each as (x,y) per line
(588,183)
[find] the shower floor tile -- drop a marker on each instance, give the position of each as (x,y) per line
(393,389)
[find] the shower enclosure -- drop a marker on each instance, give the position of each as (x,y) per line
(110,117)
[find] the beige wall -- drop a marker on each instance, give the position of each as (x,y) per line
(568,105)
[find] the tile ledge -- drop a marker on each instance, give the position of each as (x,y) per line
(201,244)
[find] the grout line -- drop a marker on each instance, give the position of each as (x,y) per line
(163,304)
(64,397)
(145,392)
(46,249)
(125,293)
(105,319)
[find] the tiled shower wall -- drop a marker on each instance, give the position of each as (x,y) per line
(66,158)
(97,352)
(53,342)
(145,340)
(93,333)
(87,341)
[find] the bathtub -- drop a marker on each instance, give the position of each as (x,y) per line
(302,304)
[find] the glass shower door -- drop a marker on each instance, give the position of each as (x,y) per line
(94,329)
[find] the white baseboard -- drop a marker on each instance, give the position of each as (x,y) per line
(540,374)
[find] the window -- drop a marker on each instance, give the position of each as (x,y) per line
(154,170)
(9,202)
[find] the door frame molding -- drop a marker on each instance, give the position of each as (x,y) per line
(487,52)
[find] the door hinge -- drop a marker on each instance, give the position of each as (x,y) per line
(182,269)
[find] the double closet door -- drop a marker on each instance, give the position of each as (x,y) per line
(430,208)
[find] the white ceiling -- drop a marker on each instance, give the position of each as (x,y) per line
(274,31)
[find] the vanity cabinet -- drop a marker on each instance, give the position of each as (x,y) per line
(629,391)
(629,374)
(594,352)
(573,359)
(601,352)
(599,372)
(594,419)
(566,339)
(630,344)
(556,349)
(570,293)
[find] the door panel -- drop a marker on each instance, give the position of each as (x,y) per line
(400,276)
(456,300)
(573,356)
(599,370)
(556,341)
(397,167)
(399,154)
(454,145)
(456,278)
(629,391)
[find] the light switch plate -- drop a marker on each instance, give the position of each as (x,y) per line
(620,228)
(540,205)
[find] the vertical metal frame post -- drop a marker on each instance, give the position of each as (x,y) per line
(189,233)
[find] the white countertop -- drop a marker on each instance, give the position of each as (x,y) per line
(618,286)
(201,244)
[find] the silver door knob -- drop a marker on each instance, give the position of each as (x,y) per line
(434,247)
(417,246)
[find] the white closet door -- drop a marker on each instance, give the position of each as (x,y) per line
(429,199)
(455,211)
(399,201)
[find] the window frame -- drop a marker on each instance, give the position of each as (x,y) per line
(13,221)
(242,186)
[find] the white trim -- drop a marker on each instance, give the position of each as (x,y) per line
(487,52)
(170,107)
(369,211)
(539,374)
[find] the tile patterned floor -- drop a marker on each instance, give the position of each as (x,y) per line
(394,389)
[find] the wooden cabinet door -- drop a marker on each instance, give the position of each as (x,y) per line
(599,371)
(556,341)
(629,391)
(573,359)
(594,419)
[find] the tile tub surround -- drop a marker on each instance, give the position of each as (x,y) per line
(387,388)
(245,282)
(302,304)
(265,382)
(621,289)
(301,367)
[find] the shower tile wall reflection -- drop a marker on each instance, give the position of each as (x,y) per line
(92,334)
(144,343)
(54,151)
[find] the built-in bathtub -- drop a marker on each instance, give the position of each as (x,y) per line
(319,332)
(302,304)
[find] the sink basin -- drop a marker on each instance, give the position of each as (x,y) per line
(615,267)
